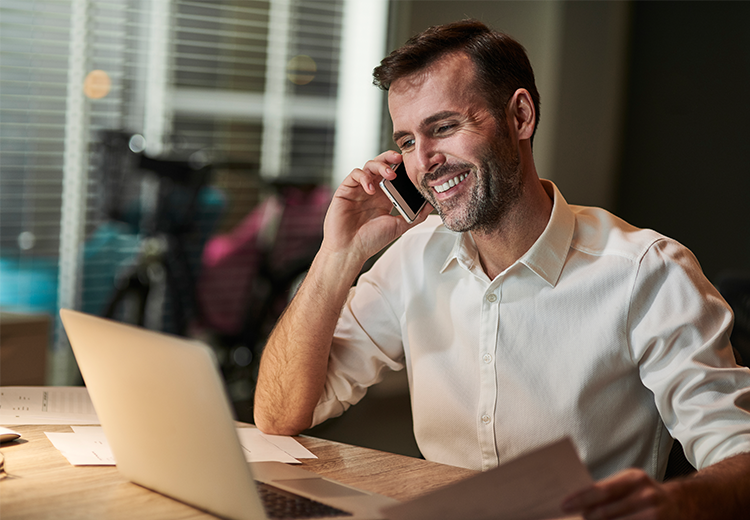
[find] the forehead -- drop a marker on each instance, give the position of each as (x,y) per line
(448,85)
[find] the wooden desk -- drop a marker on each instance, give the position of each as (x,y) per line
(43,484)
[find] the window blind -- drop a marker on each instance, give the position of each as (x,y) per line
(33,78)
(253,83)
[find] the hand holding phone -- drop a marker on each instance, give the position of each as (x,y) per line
(403,194)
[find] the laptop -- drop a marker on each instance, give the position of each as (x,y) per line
(164,410)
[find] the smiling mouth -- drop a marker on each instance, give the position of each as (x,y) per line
(450,183)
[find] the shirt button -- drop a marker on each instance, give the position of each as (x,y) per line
(492,298)
(486,419)
(487,358)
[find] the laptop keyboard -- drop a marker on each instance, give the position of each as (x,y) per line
(280,504)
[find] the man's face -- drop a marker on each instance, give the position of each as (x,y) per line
(456,153)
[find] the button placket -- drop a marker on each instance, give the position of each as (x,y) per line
(489,323)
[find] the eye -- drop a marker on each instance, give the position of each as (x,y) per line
(406,144)
(444,128)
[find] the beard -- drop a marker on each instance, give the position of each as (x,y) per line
(497,188)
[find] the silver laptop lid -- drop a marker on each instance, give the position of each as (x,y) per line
(163,408)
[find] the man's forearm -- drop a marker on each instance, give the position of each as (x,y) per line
(295,359)
(720,491)
(293,368)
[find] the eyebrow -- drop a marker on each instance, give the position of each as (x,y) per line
(426,122)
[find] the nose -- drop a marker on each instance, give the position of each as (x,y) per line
(428,157)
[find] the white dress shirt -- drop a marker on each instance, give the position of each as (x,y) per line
(602,332)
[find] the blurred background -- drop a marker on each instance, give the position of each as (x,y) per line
(169,162)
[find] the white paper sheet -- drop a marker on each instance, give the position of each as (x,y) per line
(259,447)
(46,405)
(88,446)
(531,487)
(288,444)
(83,448)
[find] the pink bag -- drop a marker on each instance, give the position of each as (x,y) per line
(277,239)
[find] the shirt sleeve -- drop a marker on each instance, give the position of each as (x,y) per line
(679,330)
(367,341)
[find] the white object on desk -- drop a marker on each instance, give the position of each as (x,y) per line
(7,435)
(87,446)
(46,405)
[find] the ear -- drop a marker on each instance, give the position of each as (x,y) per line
(522,114)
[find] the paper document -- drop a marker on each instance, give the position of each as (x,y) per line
(288,444)
(87,446)
(46,405)
(531,487)
(259,447)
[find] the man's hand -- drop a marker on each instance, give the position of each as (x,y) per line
(718,492)
(628,495)
(359,219)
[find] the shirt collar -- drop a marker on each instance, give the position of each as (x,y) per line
(464,252)
(546,257)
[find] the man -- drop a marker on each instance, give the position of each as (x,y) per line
(519,319)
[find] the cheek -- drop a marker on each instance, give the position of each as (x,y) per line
(470,143)
(411,169)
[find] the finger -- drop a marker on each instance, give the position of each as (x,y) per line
(384,164)
(373,172)
(630,494)
(390,157)
(379,170)
(643,503)
(582,500)
(606,490)
(365,178)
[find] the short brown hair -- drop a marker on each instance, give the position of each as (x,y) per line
(502,66)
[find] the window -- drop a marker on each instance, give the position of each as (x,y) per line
(256,84)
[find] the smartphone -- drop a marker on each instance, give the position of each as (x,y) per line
(404,195)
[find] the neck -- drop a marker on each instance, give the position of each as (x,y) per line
(521,227)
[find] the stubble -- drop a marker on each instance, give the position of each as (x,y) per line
(497,188)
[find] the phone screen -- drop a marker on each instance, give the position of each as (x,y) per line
(404,195)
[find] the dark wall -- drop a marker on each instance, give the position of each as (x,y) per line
(686,150)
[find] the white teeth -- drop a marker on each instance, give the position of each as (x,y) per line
(452,182)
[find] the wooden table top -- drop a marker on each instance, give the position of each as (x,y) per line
(41,483)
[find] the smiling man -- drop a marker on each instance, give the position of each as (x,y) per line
(519,318)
